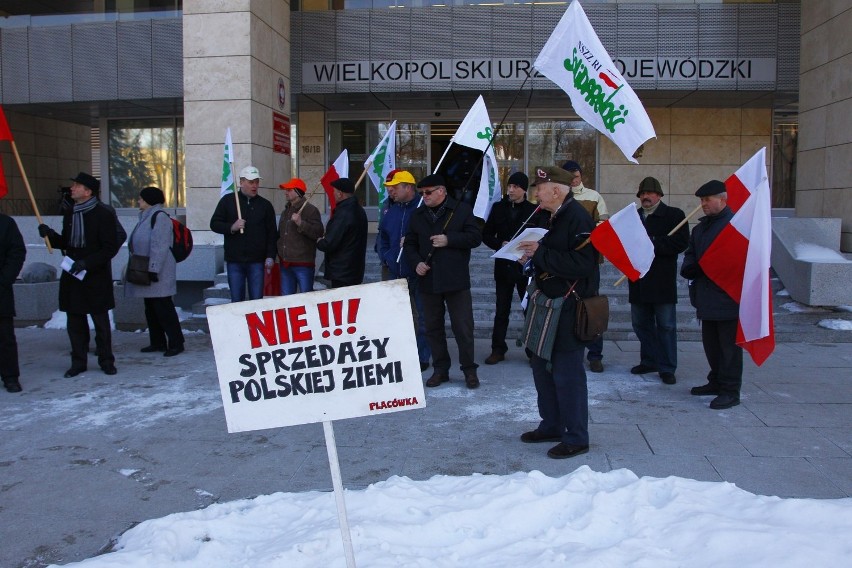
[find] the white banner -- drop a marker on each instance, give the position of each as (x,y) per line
(317,356)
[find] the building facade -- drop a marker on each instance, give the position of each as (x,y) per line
(142,92)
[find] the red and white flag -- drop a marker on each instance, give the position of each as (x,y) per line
(622,239)
(339,169)
(5,134)
(738,259)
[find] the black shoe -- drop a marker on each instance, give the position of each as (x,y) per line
(596,366)
(73,372)
(437,378)
(724,401)
(641,369)
(471,381)
(705,390)
(12,385)
(109,369)
(535,437)
(172,351)
(562,451)
(668,378)
(494,358)
(424,365)
(152,349)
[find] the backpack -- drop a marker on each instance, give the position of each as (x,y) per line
(181,238)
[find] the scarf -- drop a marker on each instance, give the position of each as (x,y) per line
(78,228)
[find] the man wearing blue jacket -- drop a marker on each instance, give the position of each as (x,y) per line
(392,228)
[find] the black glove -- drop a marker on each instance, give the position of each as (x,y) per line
(44,230)
(78,267)
(692,272)
(153,276)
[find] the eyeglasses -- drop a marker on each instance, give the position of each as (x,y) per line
(428,192)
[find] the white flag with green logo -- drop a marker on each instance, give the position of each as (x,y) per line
(577,62)
(381,162)
(476,132)
(228,185)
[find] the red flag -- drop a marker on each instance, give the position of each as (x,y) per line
(5,134)
(738,259)
(623,240)
(339,169)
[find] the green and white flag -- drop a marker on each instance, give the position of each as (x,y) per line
(381,162)
(476,132)
(577,62)
(228,184)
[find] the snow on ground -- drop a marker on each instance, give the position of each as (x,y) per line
(797,308)
(584,518)
(836,324)
(815,253)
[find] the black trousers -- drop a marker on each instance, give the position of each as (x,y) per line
(78,333)
(8,349)
(163,323)
(724,356)
(505,289)
(460,306)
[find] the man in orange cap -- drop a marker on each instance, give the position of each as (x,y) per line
(299,228)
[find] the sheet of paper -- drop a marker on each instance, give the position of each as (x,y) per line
(66,265)
(511,250)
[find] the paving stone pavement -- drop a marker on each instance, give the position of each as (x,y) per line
(84,459)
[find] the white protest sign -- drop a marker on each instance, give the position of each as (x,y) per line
(316,357)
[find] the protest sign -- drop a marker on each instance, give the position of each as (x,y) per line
(316,357)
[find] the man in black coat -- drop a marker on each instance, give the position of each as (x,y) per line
(562,263)
(440,237)
(508,218)
(653,298)
(718,312)
(12,255)
(89,239)
(251,238)
(345,240)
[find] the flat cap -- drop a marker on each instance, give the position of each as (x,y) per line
(345,185)
(432,181)
(712,187)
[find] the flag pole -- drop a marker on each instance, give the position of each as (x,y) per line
(363,174)
(237,197)
(29,191)
(672,232)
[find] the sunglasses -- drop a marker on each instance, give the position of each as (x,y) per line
(431,191)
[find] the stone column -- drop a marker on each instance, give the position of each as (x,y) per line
(823,185)
(236,53)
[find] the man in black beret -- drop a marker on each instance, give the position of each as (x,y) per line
(89,239)
(653,298)
(345,240)
(437,246)
(508,217)
(718,312)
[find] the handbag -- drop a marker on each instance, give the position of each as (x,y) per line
(541,321)
(592,317)
(137,270)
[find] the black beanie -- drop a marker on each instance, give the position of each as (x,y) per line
(520,179)
(152,195)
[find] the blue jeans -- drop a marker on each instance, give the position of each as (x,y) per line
(655,326)
(238,273)
(595,349)
(303,276)
(563,396)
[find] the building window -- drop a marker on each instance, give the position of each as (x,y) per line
(143,153)
(552,142)
(784,149)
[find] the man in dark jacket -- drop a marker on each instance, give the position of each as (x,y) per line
(653,298)
(440,237)
(402,190)
(718,312)
(508,218)
(562,263)
(85,287)
(12,255)
(345,240)
(250,236)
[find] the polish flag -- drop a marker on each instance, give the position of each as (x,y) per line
(5,134)
(339,169)
(622,239)
(738,259)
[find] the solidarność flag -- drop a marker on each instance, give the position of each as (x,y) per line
(623,240)
(738,259)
